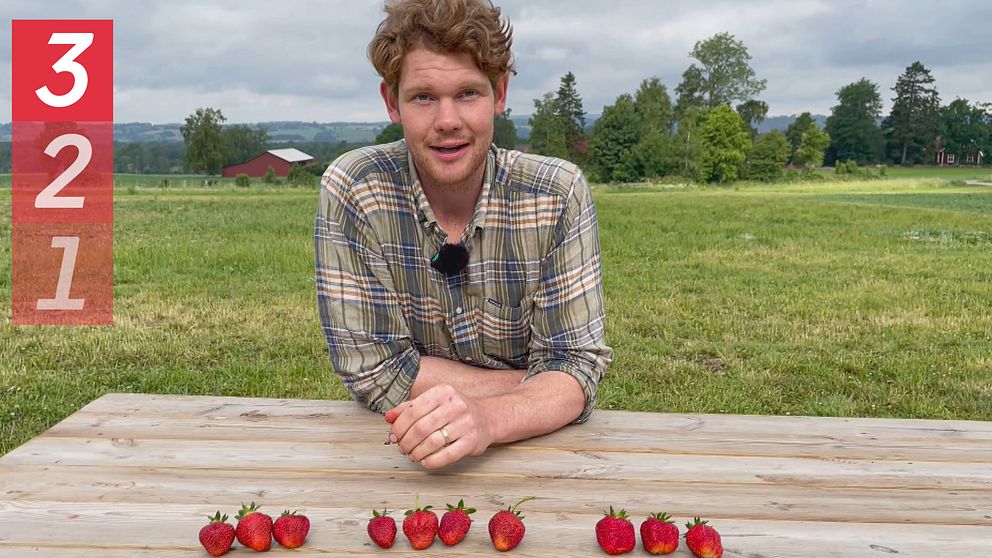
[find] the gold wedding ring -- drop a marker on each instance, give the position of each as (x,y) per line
(444,434)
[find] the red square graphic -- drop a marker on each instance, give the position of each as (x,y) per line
(63,172)
(63,274)
(63,70)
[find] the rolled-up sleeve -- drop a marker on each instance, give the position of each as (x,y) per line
(369,343)
(568,329)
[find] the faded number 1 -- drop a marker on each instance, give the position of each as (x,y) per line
(70,247)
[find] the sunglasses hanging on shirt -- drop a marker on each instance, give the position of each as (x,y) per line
(451,259)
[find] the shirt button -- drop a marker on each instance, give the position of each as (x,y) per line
(458,310)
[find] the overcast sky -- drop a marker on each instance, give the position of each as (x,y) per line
(261,60)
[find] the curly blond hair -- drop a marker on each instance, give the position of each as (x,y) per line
(471,27)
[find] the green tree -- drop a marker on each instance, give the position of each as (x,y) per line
(547,130)
(725,71)
(965,128)
(795,133)
(613,138)
(568,107)
(299,177)
(753,112)
(243,142)
(6,154)
(813,147)
(852,126)
(914,121)
(504,132)
(270,176)
(689,93)
(205,148)
(687,148)
(652,155)
(389,134)
(653,106)
(726,143)
(769,154)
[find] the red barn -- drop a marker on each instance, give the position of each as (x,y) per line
(281,160)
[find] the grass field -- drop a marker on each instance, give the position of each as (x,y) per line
(838,298)
(949,173)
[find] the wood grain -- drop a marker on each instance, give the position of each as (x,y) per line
(138,474)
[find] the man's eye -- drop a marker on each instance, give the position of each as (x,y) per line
(470,93)
(422,98)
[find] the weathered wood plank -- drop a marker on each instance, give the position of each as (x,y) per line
(341,532)
(311,487)
(821,437)
(153,467)
(507,461)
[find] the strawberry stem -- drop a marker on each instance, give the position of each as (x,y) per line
(514,508)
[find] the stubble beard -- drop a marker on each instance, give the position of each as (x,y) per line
(445,182)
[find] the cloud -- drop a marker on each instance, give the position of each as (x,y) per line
(305,59)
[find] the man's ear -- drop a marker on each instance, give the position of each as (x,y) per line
(392,103)
(500,94)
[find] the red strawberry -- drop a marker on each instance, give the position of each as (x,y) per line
(506,528)
(420,526)
(217,535)
(382,529)
(290,530)
(659,534)
(615,533)
(455,523)
(703,540)
(254,528)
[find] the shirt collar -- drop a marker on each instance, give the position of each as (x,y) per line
(426,214)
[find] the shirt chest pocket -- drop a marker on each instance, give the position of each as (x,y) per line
(505,330)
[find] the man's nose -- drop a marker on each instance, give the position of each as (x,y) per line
(447,118)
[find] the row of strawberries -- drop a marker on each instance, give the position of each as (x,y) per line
(614,532)
(659,535)
(255,530)
(506,527)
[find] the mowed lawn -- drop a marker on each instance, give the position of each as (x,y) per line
(842,299)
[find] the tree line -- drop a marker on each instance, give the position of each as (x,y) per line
(210,146)
(709,131)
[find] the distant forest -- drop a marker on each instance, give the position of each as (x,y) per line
(145,148)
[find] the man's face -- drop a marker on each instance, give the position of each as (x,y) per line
(446,106)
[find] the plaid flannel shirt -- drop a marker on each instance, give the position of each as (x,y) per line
(530,298)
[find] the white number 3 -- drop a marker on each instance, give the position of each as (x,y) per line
(80,42)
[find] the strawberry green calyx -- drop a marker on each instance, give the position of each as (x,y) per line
(375,513)
(246,511)
(461,507)
(513,509)
(217,518)
(622,514)
(417,508)
(663,517)
(695,521)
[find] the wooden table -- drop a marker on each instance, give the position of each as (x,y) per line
(136,475)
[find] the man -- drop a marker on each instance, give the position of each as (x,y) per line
(458,284)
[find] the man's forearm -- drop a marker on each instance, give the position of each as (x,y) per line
(474,382)
(542,404)
(515,410)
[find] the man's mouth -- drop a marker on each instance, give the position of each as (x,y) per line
(449,148)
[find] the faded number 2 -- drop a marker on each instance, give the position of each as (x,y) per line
(46,199)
